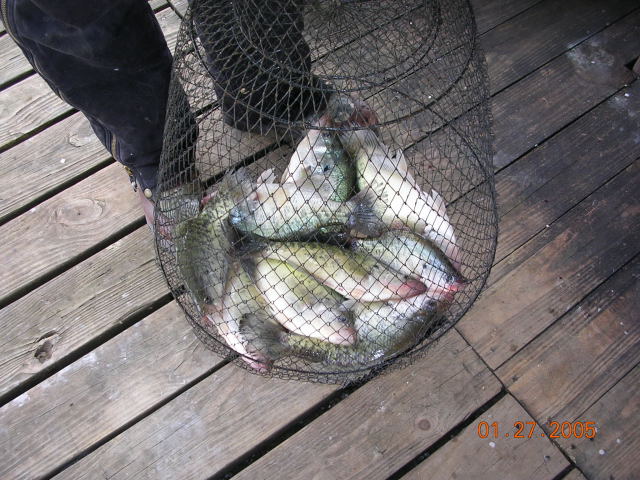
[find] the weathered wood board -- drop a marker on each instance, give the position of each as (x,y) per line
(491,13)
(550,180)
(387,422)
(27,106)
(564,88)
(613,452)
(203,430)
(577,360)
(40,330)
(556,269)
(14,64)
(65,226)
(43,163)
(100,393)
(467,455)
(543,32)
(574,474)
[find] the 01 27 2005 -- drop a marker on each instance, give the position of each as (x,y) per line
(528,430)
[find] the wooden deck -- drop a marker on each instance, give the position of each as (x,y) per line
(101,377)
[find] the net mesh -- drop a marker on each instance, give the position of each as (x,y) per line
(326,205)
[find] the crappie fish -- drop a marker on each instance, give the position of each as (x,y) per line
(412,255)
(203,241)
(320,162)
(288,211)
(241,301)
(384,329)
(355,275)
(394,194)
(301,304)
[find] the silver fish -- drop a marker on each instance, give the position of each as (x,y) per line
(384,329)
(352,274)
(415,256)
(301,304)
(394,194)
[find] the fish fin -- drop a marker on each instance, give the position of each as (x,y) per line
(264,334)
(401,163)
(363,220)
(438,204)
(266,177)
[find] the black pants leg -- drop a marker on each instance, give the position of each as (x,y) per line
(259,60)
(110,61)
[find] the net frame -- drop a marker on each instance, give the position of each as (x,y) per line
(442,88)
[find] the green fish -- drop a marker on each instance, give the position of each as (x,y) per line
(301,304)
(383,178)
(355,275)
(289,211)
(417,257)
(384,329)
(203,242)
(319,161)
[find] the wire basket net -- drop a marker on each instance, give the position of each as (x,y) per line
(326,205)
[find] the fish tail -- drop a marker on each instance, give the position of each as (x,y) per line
(340,107)
(363,219)
(265,335)
(344,109)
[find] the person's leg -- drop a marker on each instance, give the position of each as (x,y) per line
(259,61)
(111,62)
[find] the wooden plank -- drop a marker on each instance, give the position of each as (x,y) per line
(613,453)
(101,392)
(26,106)
(574,474)
(66,226)
(556,269)
(469,456)
(386,423)
(219,420)
(580,357)
(12,60)
(29,104)
(551,179)
(543,32)
(41,329)
(211,425)
(44,162)
(490,13)
(563,89)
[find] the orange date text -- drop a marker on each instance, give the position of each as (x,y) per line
(531,429)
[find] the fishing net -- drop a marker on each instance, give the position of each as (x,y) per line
(326,205)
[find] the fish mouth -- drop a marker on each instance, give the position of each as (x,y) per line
(411,288)
(345,336)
